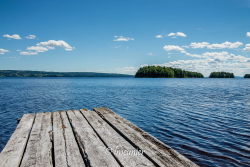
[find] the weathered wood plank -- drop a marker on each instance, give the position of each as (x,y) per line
(66,150)
(124,151)
(84,138)
(154,149)
(12,153)
(39,148)
(94,151)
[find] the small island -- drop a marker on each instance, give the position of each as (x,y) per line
(247,76)
(165,72)
(221,75)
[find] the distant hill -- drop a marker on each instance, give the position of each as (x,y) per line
(221,75)
(165,72)
(19,73)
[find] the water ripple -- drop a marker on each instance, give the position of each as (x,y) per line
(207,120)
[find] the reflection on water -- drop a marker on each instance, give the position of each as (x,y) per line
(207,120)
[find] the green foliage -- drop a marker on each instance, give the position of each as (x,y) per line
(247,76)
(17,73)
(221,75)
(165,72)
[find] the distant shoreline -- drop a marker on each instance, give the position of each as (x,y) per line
(41,74)
(46,74)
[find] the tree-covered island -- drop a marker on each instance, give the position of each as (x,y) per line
(247,76)
(221,75)
(165,72)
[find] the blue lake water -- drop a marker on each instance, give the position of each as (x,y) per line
(207,120)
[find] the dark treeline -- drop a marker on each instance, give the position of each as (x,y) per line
(18,73)
(165,72)
(247,76)
(221,75)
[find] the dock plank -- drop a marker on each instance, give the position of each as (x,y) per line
(155,150)
(66,150)
(85,138)
(124,151)
(92,148)
(39,147)
(12,153)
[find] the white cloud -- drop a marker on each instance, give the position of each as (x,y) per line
(178,49)
(28,53)
(248,34)
(3,51)
(228,45)
(172,35)
(46,46)
(224,45)
(51,44)
(31,37)
(122,39)
(190,54)
(14,36)
(173,48)
(224,56)
(159,36)
(37,49)
(196,45)
(215,54)
(177,34)
(247,47)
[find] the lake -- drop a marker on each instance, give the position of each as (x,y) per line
(207,120)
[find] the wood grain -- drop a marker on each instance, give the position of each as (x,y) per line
(12,153)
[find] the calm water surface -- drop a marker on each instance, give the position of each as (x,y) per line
(207,120)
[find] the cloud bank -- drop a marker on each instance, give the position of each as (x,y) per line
(208,62)
(224,45)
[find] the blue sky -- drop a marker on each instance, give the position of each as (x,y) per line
(122,35)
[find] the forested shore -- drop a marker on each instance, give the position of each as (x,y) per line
(19,73)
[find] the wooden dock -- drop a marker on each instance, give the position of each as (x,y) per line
(84,138)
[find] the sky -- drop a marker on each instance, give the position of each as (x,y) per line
(120,36)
